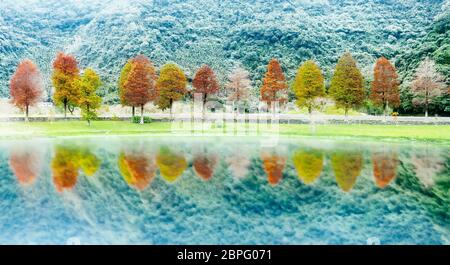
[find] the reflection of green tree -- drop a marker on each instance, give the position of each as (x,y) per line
(309,164)
(171,165)
(88,162)
(138,169)
(347,166)
(67,162)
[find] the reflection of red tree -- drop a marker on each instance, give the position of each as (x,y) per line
(273,166)
(204,165)
(25,165)
(137,169)
(384,168)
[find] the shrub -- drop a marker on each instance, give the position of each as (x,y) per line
(137,119)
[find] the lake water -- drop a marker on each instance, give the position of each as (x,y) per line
(222,190)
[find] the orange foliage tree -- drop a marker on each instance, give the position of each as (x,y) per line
(273,166)
(25,86)
(138,169)
(204,165)
(205,82)
(66,165)
(385,84)
(274,88)
(384,168)
(140,84)
(25,165)
(65,168)
(64,78)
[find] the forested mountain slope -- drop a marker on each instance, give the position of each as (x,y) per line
(104,34)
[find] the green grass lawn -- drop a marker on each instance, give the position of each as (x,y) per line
(440,133)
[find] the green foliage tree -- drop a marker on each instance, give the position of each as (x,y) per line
(347,84)
(89,101)
(308,85)
(347,166)
(171,86)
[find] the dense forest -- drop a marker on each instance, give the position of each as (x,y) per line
(103,35)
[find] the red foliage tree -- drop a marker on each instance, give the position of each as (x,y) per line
(204,165)
(138,169)
(140,86)
(25,165)
(274,84)
(385,84)
(66,63)
(25,86)
(273,166)
(384,168)
(205,82)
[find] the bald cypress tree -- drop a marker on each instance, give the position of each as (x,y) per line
(347,84)
(308,85)
(384,91)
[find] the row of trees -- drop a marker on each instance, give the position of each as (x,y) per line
(71,89)
(140,84)
(139,167)
(347,85)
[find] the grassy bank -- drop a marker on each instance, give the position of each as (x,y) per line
(75,128)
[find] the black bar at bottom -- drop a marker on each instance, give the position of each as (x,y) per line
(223,254)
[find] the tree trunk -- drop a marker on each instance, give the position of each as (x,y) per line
(71,109)
(170,106)
(88,115)
(346,114)
(386,105)
(26,113)
(203,107)
(133,112)
(142,114)
(65,110)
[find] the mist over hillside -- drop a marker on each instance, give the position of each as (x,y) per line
(105,34)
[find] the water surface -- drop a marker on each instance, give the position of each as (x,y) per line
(222,190)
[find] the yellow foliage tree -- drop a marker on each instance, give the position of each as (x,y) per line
(309,165)
(171,164)
(308,85)
(171,85)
